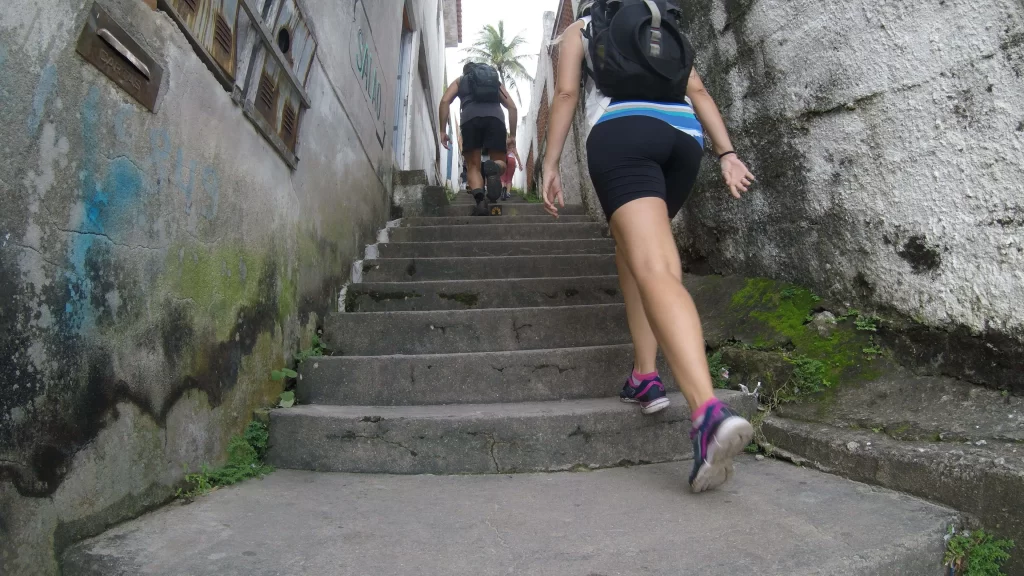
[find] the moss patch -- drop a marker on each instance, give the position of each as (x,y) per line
(353,296)
(819,362)
(465,298)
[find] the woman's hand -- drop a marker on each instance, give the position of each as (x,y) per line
(552,191)
(737,177)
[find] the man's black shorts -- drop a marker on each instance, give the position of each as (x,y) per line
(484,132)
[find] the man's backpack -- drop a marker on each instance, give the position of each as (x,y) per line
(484,83)
(636,52)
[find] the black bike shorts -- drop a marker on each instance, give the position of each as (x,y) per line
(485,132)
(633,157)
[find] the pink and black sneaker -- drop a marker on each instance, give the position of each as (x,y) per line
(645,390)
(718,435)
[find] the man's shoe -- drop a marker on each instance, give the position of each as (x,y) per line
(492,176)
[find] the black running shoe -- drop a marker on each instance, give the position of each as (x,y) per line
(482,207)
(492,176)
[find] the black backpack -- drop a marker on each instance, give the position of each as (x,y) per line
(484,83)
(636,51)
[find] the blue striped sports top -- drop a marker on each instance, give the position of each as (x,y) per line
(679,116)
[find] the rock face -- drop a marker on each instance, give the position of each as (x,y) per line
(886,138)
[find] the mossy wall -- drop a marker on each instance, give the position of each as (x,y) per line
(154,268)
(883,137)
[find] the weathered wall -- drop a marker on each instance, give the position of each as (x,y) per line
(887,140)
(576,185)
(423,148)
(155,267)
(527,136)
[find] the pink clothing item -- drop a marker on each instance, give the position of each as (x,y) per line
(510,170)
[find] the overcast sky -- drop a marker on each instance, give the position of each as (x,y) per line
(520,16)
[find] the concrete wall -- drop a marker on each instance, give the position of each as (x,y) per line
(887,139)
(423,147)
(576,186)
(527,137)
(154,267)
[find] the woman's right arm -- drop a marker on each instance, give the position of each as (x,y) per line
(737,177)
(567,94)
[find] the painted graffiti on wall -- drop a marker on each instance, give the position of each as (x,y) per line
(115,191)
(373,80)
(368,72)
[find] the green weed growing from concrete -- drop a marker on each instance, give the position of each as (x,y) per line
(719,371)
(245,460)
(977,553)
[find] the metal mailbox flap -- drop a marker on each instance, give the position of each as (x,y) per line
(107,46)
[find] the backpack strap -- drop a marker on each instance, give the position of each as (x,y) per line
(655,48)
(588,61)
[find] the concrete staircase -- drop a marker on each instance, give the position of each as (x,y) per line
(479,345)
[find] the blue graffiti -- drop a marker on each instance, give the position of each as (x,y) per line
(107,199)
(47,82)
(113,188)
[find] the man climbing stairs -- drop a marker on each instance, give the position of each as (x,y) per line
(488,352)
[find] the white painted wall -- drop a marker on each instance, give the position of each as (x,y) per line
(889,142)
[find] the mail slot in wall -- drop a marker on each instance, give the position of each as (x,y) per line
(108,47)
(211,25)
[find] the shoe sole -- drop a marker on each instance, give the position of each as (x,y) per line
(653,408)
(492,173)
(732,437)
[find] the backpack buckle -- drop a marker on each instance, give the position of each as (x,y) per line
(655,42)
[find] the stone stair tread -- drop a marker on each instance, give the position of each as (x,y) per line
(519,208)
(984,480)
(498,231)
(468,378)
(578,407)
(482,438)
(482,294)
(496,329)
(908,406)
(478,221)
(496,248)
(487,267)
(319,524)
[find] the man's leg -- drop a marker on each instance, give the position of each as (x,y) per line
(473,175)
(494,138)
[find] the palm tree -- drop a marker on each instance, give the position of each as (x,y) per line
(491,48)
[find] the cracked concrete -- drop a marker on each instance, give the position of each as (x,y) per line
(544,524)
(483,438)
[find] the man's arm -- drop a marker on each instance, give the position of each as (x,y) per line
(444,111)
(513,116)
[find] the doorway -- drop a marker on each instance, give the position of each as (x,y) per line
(402,92)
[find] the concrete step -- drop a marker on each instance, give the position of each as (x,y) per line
(495,248)
(984,479)
(473,233)
(466,198)
(515,210)
(315,524)
(477,221)
(482,268)
(482,378)
(481,294)
(482,438)
(457,331)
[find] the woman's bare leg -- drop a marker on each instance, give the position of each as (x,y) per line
(645,345)
(643,235)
